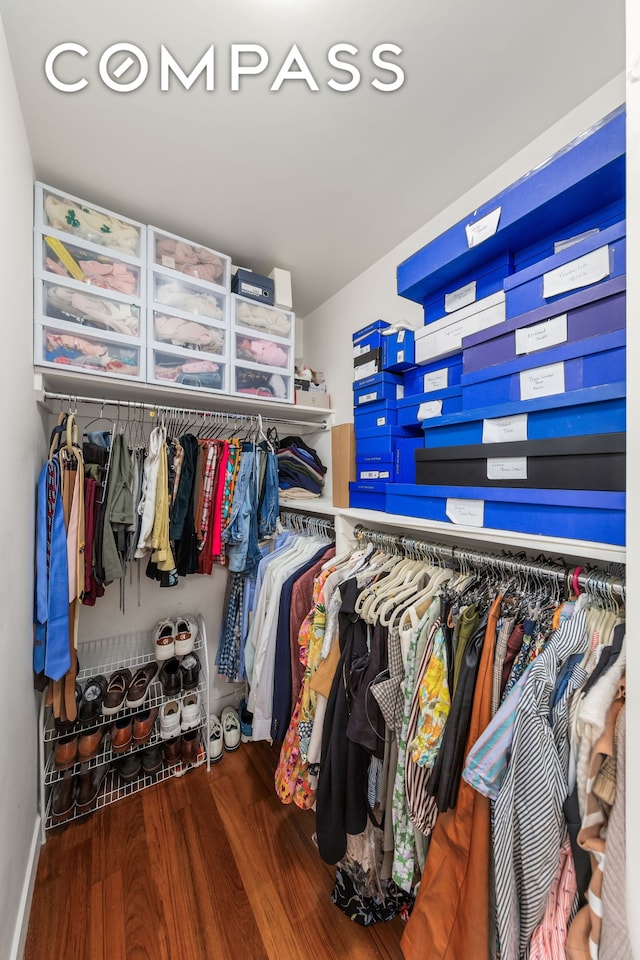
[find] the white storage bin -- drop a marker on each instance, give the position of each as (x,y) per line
(266,351)
(187,369)
(267,383)
(77,303)
(55,255)
(254,317)
(62,211)
(180,257)
(65,346)
(167,330)
(186,298)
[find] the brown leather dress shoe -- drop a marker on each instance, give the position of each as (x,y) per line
(143,725)
(89,743)
(89,786)
(121,734)
(190,745)
(139,686)
(171,750)
(65,751)
(116,692)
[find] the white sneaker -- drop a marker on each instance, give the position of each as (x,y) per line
(170,720)
(215,739)
(185,635)
(165,640)
(230,728)
(190,711)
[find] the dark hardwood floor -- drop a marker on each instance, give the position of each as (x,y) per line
(206,867)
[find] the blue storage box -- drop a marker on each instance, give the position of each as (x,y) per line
(583,412)
(382,413)
(368,496)
(369,337)
(379,445)
(599,258)
(382,386)
(587,175)
(469,289)
(443,338)
(597,220)
(588,313)
(437,404)
(367,365)
(574,514)
(371,472)
(439,375)
(252,285)
(398,351)
(405,465)
(573,366)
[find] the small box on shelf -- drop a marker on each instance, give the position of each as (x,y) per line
(253,286)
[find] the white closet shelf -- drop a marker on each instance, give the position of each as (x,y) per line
(320,505)
(63,381)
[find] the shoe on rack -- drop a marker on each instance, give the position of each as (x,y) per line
(190,746)
(129,768)
(190,670)
(90,706)
(65,751)
(246,722)
(170,677)
(89,786)
(89,743)
(63,724)
(230,728)
(121,734)
(215,739)
(152,759)
(170,720)
(185,635)
(143,725)
(139,687)
(172,751)
(63,800)
(190,711)
(165,640)
(116,692)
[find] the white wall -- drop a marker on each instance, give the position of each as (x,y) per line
(23,449)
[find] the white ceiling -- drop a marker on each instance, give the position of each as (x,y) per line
(320,183)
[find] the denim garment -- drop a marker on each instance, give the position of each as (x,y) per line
(241,535)
(269,504)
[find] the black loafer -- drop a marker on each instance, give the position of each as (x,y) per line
(90,707)
(170,677)
(152,759)
(129,768)
(190,670)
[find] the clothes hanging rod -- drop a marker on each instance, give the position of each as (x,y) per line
(294,520)
(186,411)
(588,579)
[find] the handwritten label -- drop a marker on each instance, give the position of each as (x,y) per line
(469,512)
(367,398)
(432,408)
(400,357)
(561,245)
(401,334)
(582,272)
(505,429)
(381,421)
(460,298)
(400,391)
(437,380)
(168,262)
(483,229)
(508,468)
(540,335)
(542,381)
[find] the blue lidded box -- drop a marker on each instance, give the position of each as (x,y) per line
(368,338)
(381,386)
(398,351)
(477,285)
(380,413)
(368,496)
(439,403)
(429,377)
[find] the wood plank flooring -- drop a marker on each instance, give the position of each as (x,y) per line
(206,867)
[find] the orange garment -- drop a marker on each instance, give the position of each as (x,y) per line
(450,919)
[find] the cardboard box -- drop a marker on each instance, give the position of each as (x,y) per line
(343,462)
(313,398)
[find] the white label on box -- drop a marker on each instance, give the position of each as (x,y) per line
(367,397)
(400,357)
(400,391)
(469,512)
(508,468)
(384,474)
(547,334)
(358,351)
(542,381)
(437,380)
(561,245)
(401,334)
(460,298)
(168,262)
(582,272)
(370,474)
(505,429)
(381,421)
(252,289)
(484,228)
(431,409)
(365,370)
